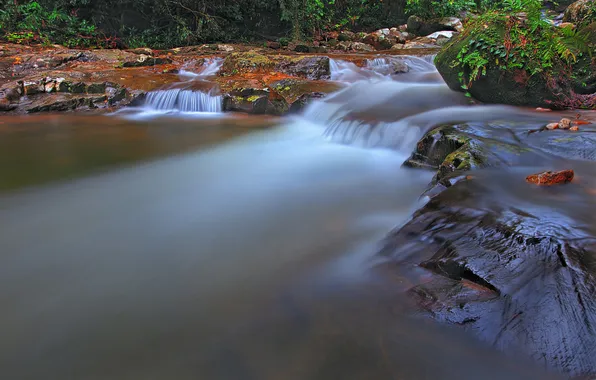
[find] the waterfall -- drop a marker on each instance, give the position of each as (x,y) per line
(184,101)
(209,68)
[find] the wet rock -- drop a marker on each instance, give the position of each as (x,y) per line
(575,128)
(292,89)
(551,178)
(249,100)
(514,268)
(65,102)
(552,126)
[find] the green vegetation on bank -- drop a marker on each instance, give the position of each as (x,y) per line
(168,23)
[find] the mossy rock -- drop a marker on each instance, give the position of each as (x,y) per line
(581,12)
(454,149)
(501,83)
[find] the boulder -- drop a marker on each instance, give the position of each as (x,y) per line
(580,12)
(421,27)
(511,77)
(345,36)
(314,68)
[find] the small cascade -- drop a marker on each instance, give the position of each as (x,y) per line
(392,114)
(184,101)
(209,68)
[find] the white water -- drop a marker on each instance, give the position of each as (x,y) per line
(182,99)
(209,68)
(380,68)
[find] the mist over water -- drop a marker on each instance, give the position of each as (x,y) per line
(244,259)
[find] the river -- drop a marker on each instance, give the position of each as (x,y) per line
(172,241)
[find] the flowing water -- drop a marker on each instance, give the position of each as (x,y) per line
(173,242)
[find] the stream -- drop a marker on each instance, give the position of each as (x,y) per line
(173,241)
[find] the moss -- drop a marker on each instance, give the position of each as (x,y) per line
(253,98)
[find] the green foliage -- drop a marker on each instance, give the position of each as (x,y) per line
(440,8)
(32,23)
(515,36)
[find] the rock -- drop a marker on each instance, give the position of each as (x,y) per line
(408,36)
(506,265)
(292,89)
(565,124)
(461,148)
(580,12)
(225,48)
(32,88)
(346,35)
(552,126)
(251,61)
(254,101)
(403,28)
(345,46)
(517,86)
(146,60)
(425,27)
(305,67)
(302,48)
(273,45)
(575,128)
(359,46)
(397,47)
(65,102)
(145,51)
(414,24)
(371,39)
(551,178)
(451,23)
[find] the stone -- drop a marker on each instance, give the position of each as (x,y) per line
(273,45)
(301,48)
(551,178)
(359,46)
(225,48)
(414,24)
(552,126)
(346,36)
(565,123)
(575,128)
